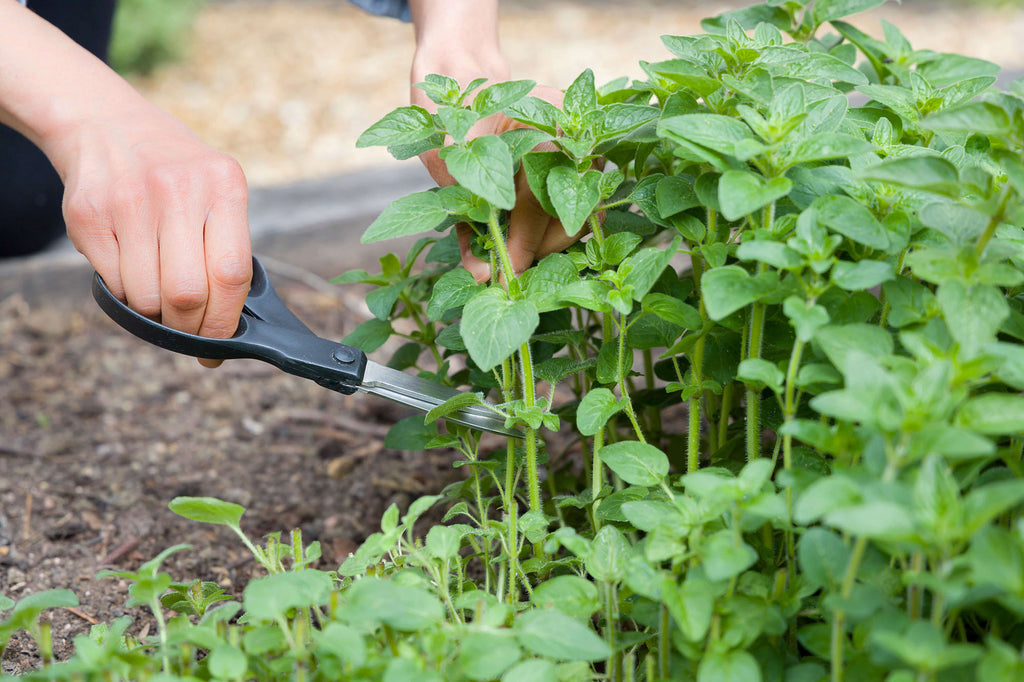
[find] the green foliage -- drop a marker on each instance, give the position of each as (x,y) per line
(149,33)
(784,371)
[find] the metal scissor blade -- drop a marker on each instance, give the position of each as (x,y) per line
(425,395)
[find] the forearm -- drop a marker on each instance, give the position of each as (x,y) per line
(457,38)
(49,85)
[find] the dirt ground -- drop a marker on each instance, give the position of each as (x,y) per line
(100,431)
(287,87)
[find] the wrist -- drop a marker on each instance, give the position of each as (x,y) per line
(457,38)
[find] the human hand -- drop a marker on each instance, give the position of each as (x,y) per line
(459,38)
(160,216)
(532,233)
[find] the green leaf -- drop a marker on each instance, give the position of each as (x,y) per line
(499,96)
(405,125)
(370,335)
(493,327)
(672,310)
(572,595)
(532,670)
(823,557)
(740,193)
(758,372)
(929,173)
(208,510)
(862,275)
(729,666)
(453,290)
(691,605)
(618,246)
(806,317)
(609,555)
(729,288)
(411,433)
(227,662)
(716,132)
(344,642)
(581,96)
(645,266)
(878,520)
(827,146)
(271,598)
(852,220)
(537,166)
(725,555)
(973,315)
(573,196)
(636,463)
(537,113)
(775,254)
(596,408)
(674,194)
(828,10)
(486,655)
(984,118)
(457,121)
(522,140)
(453,404)
(588,293)
(403,607)
(484,167)
(993,414)
(554,635)
(409,215)
(544,283)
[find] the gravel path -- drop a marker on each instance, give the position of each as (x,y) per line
(286,87)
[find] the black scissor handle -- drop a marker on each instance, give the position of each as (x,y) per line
(267,330)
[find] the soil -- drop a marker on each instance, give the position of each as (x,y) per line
(99,431)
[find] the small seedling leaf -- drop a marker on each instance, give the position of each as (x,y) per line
(208,510)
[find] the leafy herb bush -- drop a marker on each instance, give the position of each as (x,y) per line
(771,418)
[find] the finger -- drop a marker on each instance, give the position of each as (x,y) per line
(90,231)
(556,240)
(183,287)
(135,226)
(481,270)
(528,222)
(228,261)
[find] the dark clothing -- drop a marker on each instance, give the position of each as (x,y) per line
(30,190)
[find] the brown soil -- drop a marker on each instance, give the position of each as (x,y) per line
(99,431)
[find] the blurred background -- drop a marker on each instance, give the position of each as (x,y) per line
(286,86)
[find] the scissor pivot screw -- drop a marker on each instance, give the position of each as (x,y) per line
(345,355)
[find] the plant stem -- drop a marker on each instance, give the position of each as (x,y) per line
(839,617)
(753,395)
(789,413)
(996,220)
(623,386)
(499,246)
(723,413)
(664,642)
(530,399)
(597,476)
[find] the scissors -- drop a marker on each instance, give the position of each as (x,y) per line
(269,331)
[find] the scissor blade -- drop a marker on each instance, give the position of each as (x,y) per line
(425,395)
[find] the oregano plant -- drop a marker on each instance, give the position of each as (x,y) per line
(772,427)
